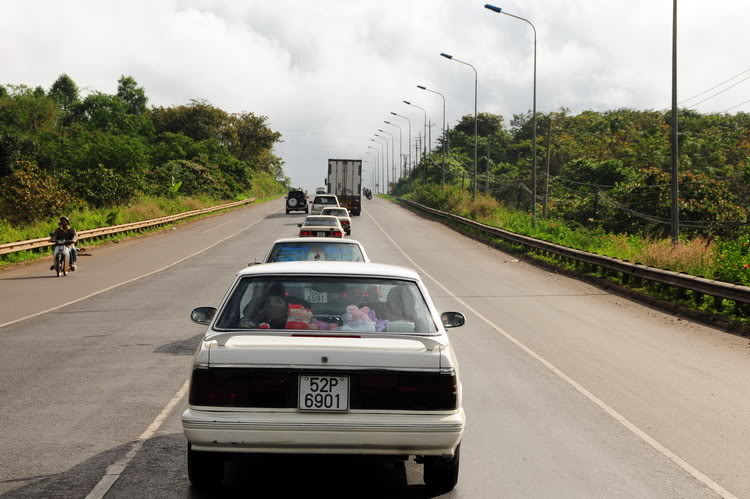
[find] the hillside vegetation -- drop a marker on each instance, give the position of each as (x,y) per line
(111,158)
(609,184)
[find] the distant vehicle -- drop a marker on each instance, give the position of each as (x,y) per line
(296,201)
(321,190)
(343,215)
(321,226)
(345,181)
(323,201)
(326,358)
(316,249)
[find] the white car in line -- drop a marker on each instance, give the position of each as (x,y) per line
(342,214)
(316,249)
(321,226)
(321,201)
(326,358)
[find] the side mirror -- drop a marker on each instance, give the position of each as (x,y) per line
(299,225)
(453,319)
(202,315)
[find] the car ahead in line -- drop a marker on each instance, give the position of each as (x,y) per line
(321,226)
(296,201)
(316,249)
(320,190)
(323,201)
(342,214)
(326,358)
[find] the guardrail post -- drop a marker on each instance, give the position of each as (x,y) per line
(718,303)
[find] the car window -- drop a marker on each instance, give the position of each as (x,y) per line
(352,304)
(321,222)
(334,212)
(314,251)
(324,200)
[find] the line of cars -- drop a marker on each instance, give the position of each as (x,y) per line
(318,350)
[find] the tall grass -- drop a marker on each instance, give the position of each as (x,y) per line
(726,260)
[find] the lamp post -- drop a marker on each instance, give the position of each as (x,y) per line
(442,184)
(476,137)
(675,192)
(393,154)
(400,149)
(377,181)
(381,155)
(385,176)
(533,140)
(425,133)
(409,147)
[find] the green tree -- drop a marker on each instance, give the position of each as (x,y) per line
(129,91)
(64,92)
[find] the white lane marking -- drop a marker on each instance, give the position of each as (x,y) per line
(116,469)
(217,226)
(135,278)
(695,473)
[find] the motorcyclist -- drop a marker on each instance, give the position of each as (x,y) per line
(65,231)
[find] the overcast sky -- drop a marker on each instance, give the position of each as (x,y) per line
(328,72)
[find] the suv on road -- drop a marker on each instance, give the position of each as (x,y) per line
(296,201)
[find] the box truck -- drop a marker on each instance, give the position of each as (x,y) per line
(345,181)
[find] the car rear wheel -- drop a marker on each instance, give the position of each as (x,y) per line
(205,469)
(441,474)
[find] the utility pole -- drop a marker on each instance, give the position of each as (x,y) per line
(675,136)
(487,167)
(546,167)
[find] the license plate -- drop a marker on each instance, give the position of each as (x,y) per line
(323,393)
(320,234)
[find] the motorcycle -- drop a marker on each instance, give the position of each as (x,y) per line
(61,257)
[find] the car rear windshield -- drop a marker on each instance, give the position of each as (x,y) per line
(350,304)
(314,251)
(321,222)
(295,194)
(336,212)
(324,200)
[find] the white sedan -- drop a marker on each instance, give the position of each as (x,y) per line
(316,249)
(342,214)
(326,358)
(321,226)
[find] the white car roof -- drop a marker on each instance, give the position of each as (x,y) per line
(321,216)
(331,268)
(326,240)
(316,240)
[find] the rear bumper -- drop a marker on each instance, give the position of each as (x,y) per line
(352,433)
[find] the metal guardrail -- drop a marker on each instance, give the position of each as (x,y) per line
(695,284)
(116,229)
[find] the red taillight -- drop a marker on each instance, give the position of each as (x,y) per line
(409,391)
(337,233)
(238,388)
(305,233)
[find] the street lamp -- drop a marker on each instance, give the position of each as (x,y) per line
(476,136)
(442,185)
(409,147)
(380,161)
(425,134)
(385,176)
(393,154)
(533,140)
(377,161)
(400,149)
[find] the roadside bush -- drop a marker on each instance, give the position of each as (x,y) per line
(28,195)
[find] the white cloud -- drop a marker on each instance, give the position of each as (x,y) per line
(327,73)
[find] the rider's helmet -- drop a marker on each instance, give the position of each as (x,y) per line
(64,219)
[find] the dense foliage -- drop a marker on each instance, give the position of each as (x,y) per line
(62,151)
(608,169)
(609,180)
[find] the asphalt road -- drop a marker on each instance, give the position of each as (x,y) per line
(569,391)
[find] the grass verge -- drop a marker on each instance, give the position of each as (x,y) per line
(723,314)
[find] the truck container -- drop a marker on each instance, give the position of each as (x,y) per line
(345,181)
